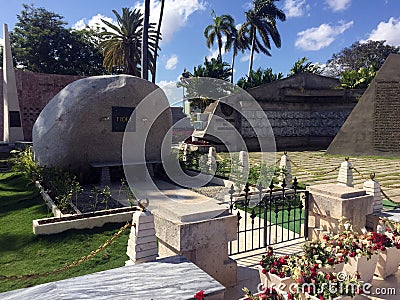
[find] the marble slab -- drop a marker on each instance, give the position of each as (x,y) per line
(168,278)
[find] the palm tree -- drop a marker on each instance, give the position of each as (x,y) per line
(223,25)
(262,20)
(122,43)
(237,43)
(157,40)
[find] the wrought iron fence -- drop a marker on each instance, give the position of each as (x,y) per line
(268,216)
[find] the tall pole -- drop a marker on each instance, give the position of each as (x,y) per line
(145,35)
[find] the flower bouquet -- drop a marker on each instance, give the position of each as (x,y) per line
(275,271)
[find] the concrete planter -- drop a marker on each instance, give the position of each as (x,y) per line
(272,280)
(388,262)
(366,268)
(84,221)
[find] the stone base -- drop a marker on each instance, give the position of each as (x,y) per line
(331,202)
(213,260)
(203,242)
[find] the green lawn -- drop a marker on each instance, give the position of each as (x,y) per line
(282,218)
(21,252)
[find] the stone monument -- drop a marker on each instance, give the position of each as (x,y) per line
(85,123)
(373,127)
(12,128)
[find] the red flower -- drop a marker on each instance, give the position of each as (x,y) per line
(352,254)
(321,297)
(272,271)
(199,295)
(383,248)
(289,296)
(264,271)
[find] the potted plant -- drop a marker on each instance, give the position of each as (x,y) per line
(275,271)
(388,242)
(266,294)
(357,250)
(322,256)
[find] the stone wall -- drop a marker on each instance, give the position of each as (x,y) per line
(303,124)
(35,90)
(305,111)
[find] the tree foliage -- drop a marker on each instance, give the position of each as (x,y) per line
(261,21)
(200,92)
(41,43)
(357,79)
(258,77)
(303,65)
(222,26)
(360,55)
(122,43)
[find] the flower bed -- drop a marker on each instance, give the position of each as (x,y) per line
(347,258)
(88,220)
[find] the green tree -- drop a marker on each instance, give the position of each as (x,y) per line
(258,77)
(201,93)
(360,55)
(223,26)
(41,43)
(122,43)
(261,20)
(303,65)
(359,79)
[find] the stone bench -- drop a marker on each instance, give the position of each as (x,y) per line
(168,278)
(105,168)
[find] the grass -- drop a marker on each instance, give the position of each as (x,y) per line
(21,252)
(282,218)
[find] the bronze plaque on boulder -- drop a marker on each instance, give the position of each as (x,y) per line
(120,118)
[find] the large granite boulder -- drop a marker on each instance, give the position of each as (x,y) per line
(84,124)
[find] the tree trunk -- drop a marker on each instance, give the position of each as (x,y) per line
(253,42)
(233,65)
(157,41)
(145,35)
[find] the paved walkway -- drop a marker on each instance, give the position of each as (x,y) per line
(307,166)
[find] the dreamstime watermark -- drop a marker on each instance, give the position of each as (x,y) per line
(148,136)
(342,287)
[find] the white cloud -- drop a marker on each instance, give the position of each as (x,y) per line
(316,38)
(1,42)
(388,31)
(295,8)
(172,62)
(93,23)
(338,5)
(246,57)
(248,5)
(176,14)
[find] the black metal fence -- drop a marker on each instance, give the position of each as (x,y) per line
(267,217)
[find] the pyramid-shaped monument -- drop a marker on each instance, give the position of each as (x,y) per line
(373,127)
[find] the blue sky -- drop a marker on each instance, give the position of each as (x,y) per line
(314,28)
